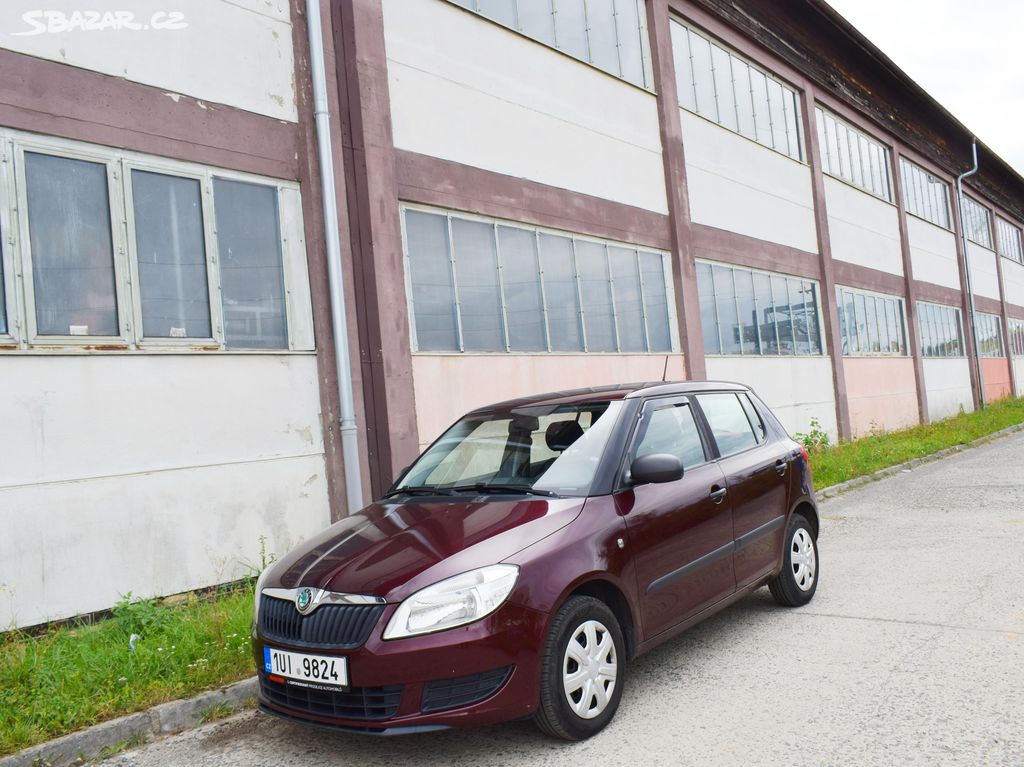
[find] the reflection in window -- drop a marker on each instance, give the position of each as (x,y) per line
(251,265)
(72,251)
(1009,238)
(171,255)
(975,223)
(925,196)
(870,324)
(3,294)
(1017,337)
(941,334)
(715,83)
(989,330)
(852,155)
(671,429)
(750,312)
(728,421)
(515,288)
(610,34)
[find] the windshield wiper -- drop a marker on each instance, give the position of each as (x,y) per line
(427,490)
(485,487)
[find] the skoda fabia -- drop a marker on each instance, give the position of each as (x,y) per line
(530,553)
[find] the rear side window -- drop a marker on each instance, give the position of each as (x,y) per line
(670,428)
(728,421)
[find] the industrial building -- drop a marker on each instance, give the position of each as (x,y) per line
(532,195)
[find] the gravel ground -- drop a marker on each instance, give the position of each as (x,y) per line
(912,652)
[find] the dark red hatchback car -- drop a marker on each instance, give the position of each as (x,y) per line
(529,553)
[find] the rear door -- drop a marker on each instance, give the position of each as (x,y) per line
(681,532)
(755,468)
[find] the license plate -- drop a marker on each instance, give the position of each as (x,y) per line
(327,670)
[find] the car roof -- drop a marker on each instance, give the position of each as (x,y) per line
(612,392)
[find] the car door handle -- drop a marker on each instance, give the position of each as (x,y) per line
(718,495)
(781,466)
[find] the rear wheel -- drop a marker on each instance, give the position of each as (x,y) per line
(796,583)
(582,670)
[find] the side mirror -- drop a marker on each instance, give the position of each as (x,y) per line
(656,467)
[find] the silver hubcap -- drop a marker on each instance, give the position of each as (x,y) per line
(802,559)
(589,669)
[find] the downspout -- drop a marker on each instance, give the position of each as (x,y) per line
(967,264)
(335,277)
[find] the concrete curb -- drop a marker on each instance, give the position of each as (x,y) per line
(165,719)
(851,484)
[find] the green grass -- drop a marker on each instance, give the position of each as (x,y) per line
(72,677)
(838,463)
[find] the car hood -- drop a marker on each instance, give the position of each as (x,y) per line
(393,549)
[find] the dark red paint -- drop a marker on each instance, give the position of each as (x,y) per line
(621,545)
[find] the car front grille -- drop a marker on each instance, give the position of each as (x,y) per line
(341,626)
(357,703)
(442,694)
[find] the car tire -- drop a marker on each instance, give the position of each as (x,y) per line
(565,681)
(798,580)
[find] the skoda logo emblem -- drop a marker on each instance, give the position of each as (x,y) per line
(304,600)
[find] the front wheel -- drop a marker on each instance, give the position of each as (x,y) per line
(582,670)
(796,583)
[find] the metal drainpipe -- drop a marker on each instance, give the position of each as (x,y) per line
(967,264)
(335,277)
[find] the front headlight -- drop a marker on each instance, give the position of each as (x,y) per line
(453,602)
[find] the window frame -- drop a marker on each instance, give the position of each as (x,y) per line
(862,342)
(118,245)
(995,320)
(958,324)
(821,113)
(1012,231)
(214,298)
(494,222)
(971,209)
(16,257)
(709,432)
(778,338)
(911,188)
(1016,345)
(789,121)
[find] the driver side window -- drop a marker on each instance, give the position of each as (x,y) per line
(671,428)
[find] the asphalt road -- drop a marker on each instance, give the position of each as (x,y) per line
(912,652)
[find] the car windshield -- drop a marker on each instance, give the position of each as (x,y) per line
(546,449)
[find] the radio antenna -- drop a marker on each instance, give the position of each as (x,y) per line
(664,372)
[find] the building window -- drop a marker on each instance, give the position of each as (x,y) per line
(1009,239)
(610,34)
(479,285)
(925,196)
(1017,337)
(717,84)
(853,156)
(141,252)
(941,332)
(744,311)
(975,223)
(989,331)
(870,324)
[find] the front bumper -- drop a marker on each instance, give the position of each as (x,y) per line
(393,677)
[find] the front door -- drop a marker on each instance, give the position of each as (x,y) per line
(681,531)
(756,469)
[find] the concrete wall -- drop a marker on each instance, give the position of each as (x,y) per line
(948,386)
(235,52)
(933,253)
(740,186)
(468,90)
(996,371)
(1013,282)
(882,392)
(797,389)
(151,473)
(449,385)
(984,277)
(863,229)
